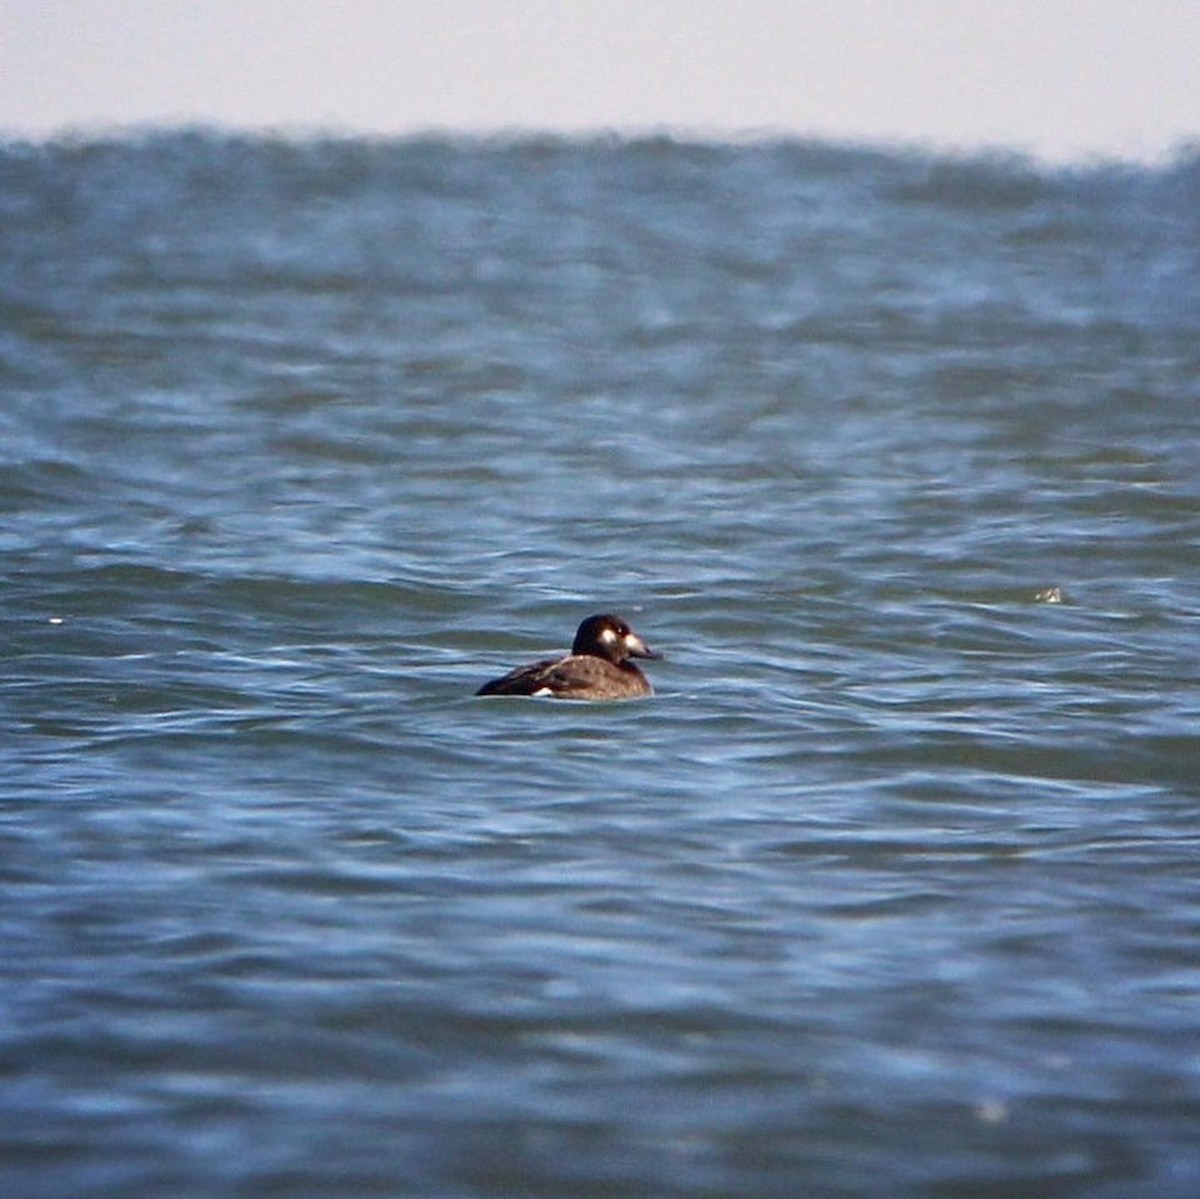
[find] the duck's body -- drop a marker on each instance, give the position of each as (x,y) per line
(597,668)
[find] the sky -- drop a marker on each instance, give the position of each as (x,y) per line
(1059,79)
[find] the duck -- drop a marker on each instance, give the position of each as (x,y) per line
(597,668)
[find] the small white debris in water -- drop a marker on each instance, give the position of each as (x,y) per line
(56,620)
(992,1111)
(1050,595)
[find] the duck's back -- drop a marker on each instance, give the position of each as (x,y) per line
(525,680)
(577,676)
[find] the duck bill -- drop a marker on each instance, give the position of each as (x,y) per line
(635,647)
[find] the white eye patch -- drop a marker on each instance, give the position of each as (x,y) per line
(608,636)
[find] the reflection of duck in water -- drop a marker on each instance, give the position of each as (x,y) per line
(598,667)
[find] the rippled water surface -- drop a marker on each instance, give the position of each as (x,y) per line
(891,890)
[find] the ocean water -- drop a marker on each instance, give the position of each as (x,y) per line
(892,889)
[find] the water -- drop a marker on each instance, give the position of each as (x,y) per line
(892,889)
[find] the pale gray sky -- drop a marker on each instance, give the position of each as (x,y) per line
(1058,78)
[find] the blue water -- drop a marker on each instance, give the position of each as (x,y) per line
(890,890)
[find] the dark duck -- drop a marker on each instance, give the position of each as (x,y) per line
(598,667)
